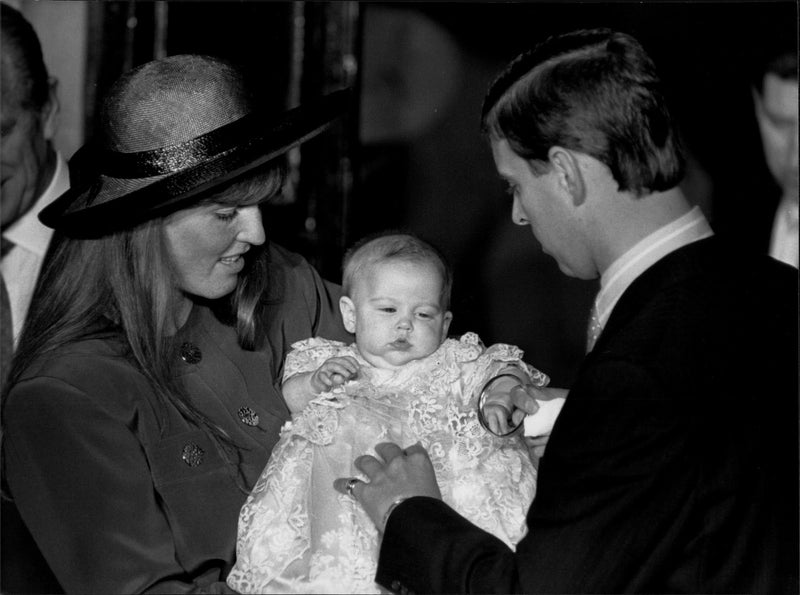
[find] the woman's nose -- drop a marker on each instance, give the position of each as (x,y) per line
(251,230)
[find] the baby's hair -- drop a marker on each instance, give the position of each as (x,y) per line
(389,246)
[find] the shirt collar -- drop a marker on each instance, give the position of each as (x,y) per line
(28,232)
(687,228)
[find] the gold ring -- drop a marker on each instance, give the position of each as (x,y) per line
(350,485)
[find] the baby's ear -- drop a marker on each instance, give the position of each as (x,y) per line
(448,318)
(348,310)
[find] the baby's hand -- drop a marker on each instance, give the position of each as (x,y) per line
(334,372)
(497,416)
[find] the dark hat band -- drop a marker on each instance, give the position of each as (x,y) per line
(166,179)
(174,158)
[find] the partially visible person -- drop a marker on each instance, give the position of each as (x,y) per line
(144,399)
(33,172)
(672,467)
(401,380)
(775,99)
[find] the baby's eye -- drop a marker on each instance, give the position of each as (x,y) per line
(424,315)
(388,309)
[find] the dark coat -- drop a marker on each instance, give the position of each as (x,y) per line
(673,466)
(121,494)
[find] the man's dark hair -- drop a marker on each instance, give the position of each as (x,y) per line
(592,91)
(23,52)
(783,65)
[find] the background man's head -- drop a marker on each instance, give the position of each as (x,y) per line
(28,112)
(775,97)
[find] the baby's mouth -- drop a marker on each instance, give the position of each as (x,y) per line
(401,344)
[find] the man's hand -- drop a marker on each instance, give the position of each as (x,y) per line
(401,474)
(538,442)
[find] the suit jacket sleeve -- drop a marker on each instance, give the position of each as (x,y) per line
(582,538)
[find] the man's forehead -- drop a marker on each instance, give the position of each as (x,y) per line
(780,95)
(11,91)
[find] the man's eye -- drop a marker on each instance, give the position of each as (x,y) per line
(7,128)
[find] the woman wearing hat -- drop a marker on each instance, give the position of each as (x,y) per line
(143,403)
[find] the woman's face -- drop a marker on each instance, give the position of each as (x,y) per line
(207,244)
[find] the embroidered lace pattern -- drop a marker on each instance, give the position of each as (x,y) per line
(297,534)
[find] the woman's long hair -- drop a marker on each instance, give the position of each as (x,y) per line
(123,285)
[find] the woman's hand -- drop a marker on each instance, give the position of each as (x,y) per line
(334,372)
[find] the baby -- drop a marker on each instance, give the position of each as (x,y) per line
(402,381)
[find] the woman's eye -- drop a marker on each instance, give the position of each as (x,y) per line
(225,215)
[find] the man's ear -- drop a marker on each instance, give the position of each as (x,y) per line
(758,103)
(568,170)
(50,110)
(448,318)
(348,310)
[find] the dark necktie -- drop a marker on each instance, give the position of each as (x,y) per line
(594,330)
(6,332)
(5,246)
(6,326)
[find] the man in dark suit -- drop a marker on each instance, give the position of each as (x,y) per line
(673,465)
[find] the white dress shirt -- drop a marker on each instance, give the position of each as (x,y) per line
(20,267)
(684,230)
(784,244)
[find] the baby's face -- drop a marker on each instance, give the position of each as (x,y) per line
(396,313)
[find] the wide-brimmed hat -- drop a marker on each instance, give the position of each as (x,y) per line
(172,130)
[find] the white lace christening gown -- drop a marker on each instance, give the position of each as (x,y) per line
(299,535)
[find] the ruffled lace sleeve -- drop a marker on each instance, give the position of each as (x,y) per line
(308,355)
(480,363)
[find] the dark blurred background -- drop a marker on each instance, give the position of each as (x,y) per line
(410,155)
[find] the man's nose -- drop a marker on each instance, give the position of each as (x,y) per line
(517,214)
(251,228)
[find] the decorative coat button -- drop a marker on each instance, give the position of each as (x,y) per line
(248,416)
(192,454)
(190,353)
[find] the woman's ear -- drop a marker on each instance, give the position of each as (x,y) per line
(568,170)
(348,310)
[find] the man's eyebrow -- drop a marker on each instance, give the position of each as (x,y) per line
(780,118)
